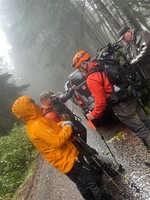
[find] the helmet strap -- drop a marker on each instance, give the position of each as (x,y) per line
(85,68)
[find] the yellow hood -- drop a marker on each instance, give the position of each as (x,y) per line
(47,136)
(24,109)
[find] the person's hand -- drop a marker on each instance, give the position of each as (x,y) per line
(54,98)
(67,123)
(89,116)
(74,87)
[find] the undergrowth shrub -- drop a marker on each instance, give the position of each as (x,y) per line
(16,155)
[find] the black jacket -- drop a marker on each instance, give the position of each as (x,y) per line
(138,52)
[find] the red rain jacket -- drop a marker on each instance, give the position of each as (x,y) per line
(100,89)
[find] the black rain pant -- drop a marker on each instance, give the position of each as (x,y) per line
(131,114)
(86,182)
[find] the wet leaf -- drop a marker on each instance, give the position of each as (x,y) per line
(118,137)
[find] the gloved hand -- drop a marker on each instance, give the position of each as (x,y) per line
(67,123)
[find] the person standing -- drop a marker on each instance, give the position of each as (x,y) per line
(127,109)
(138,48)
(54,108)
(53,142)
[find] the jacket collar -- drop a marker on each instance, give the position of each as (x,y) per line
(92,65)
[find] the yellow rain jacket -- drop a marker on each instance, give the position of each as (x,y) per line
(49,138)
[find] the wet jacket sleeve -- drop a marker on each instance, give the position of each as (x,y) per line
(95,85)
(53,137)
(143,44)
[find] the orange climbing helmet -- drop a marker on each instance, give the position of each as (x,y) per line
(79,58)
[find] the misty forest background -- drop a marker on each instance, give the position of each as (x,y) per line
(44,35)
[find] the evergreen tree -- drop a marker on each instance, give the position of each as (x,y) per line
(9,92)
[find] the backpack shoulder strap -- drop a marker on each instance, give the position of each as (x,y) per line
(97,68)
(47,111)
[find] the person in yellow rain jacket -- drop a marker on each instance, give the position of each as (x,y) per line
(53,141)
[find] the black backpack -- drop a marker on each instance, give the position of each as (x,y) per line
(116,77)
(110,64)
(113,72)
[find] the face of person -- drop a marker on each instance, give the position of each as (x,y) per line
(83,67)
(128,36)
(47,101)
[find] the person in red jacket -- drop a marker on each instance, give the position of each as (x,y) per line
(54,109)
(128,111)
(49,111)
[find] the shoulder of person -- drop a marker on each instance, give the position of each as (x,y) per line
(138,36)
(141,35)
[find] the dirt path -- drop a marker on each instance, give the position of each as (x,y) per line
(49,184)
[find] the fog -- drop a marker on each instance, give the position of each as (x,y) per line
(44,35)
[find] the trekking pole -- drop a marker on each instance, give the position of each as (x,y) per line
(119,165)
(109,177)
(94,128)
(95,156)
(133,185)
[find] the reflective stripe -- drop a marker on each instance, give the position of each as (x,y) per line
(142,52)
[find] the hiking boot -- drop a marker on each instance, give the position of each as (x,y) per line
(147,141)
